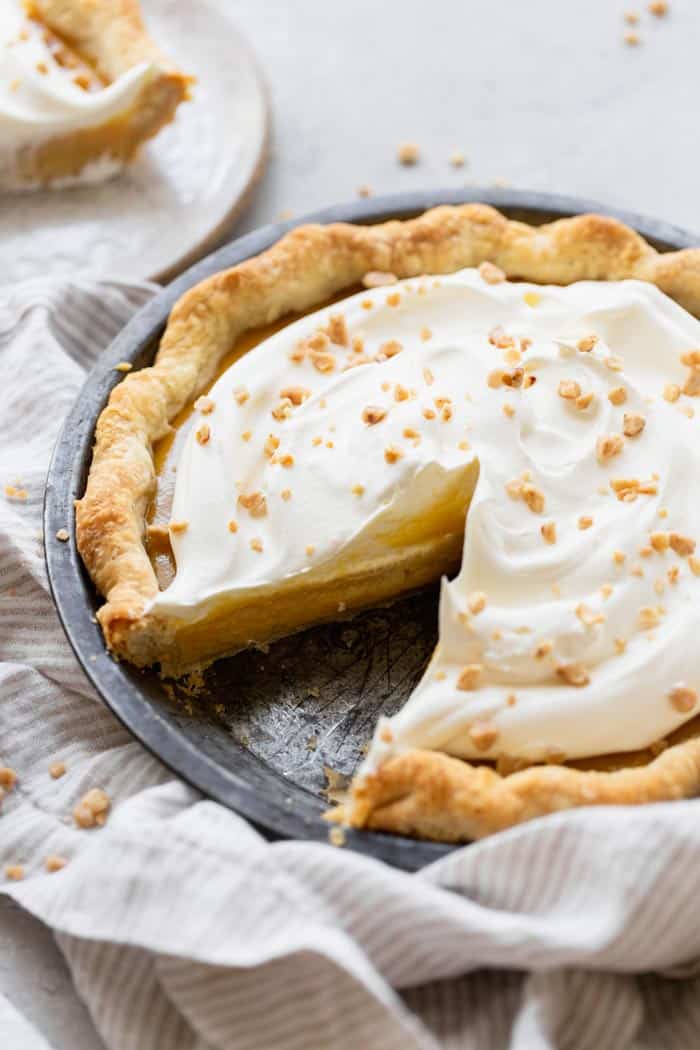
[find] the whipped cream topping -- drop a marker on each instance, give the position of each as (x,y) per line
(570,629)
(40,98)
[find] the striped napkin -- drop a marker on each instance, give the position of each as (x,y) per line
(184,930)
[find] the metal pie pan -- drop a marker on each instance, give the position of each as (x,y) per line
(268,725)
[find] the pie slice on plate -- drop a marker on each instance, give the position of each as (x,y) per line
(82,87)
(276,468)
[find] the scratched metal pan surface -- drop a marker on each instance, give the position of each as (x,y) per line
(269,725)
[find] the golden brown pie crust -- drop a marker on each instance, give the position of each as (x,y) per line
(112,38)
(419,793)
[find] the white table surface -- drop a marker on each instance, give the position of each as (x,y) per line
(542,94)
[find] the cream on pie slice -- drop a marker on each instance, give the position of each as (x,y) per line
(333,466)
(82,87)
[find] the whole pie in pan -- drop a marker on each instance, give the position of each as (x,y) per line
(277,467)
(82,87)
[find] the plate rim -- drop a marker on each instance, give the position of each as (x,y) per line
(71,588)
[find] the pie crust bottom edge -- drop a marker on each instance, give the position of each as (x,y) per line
(430,795)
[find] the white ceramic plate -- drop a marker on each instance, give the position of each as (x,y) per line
(186,186)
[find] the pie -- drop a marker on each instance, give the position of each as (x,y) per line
(303,456)
(82,87)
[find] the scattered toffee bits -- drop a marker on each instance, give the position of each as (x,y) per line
(393,299)
(632,39)
(585,521)
(586,344)
(408,154)
(233,525)
(659,8)
(203,434)
(286,494)
(338,330)
(633,424)
(378,279)
(573,674)
(358,490)
(469,677)
(14,872)
(660,541)
(683,698)
(240,395)
(476,602)
(256,544)
(491,274)
(609,445)
(585,401)
(390,348)
(92,809)
(694,564)
(57,770)
(672,392)
(392,454)
(617,396)
(425,334)
(296,394)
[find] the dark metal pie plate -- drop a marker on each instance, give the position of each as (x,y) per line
(270,724)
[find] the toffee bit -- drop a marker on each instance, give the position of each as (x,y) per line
(491,274)
(203,434)
(585,521)
(428,377)
(338,330)
(672,574)
(543,649)
(8,778)
(694,564)
(573,674)
(54,863)
(233,525)
(587,616)
(373,414)
(617,396)
(271,445)
(614,363)
(286,494)
(287,460)
(358,344)
(429,413)
(296,394)
(609,445)
(633,424)
(358,490)
(15,872)
(322,362)
(683,698)
(92,809)
(476,602)
(632,39)
(205,405)
(534,498)
(672,392)
(255,503)
(178,526)
(691,387)
(256,544)
(425,334)
(246,435)
(310,550)
(569,389)
(585,401)
(620,645)
(408,154)
(648,617)
(282,411)
(507,409)
(660,541)
(457,159)
(532,298)
(682,545)
(57,770)
(549,532)
(606,590)
(469,677)
(123,366)
(378,279)
(586,344)
(659,8)
(240,395)
(498,337)
(495,378)
(392,454)
(393,299)
(401,393)
(483,735)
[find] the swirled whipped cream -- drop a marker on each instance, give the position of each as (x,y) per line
(571,628)
(42,98)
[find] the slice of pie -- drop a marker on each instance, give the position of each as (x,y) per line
(82,87)
(328,463)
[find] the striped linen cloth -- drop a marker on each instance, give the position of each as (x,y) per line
(184,930)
